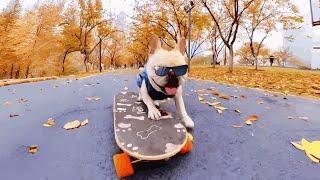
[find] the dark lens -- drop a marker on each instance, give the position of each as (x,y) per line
(161,71)
(180,70)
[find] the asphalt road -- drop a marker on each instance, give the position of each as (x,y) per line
(260,151)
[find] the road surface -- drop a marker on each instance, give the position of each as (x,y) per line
(260,151)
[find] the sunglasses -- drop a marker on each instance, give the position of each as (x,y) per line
(178,70)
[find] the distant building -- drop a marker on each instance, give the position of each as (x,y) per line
(302,43)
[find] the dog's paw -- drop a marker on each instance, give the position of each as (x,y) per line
(154,114)
(188,122)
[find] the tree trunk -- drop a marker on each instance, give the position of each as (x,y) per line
(17,73)
(85,61)
(64,60)
(11,74)
(225,56)
(27,72)
(100,55)
(231,53)
(213,57)
(256,62)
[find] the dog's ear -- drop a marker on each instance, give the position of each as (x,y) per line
(181,45)
(154,44)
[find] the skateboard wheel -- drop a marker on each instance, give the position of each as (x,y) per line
(123,165)
(188,146)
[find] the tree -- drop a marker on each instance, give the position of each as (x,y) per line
(114,48)
(227,15)
(88,19)
(216,45)
(8,21)
(246,56)
(264,16)
(168,23)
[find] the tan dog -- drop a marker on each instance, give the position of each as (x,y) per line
(163,77)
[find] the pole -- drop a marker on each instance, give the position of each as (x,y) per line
(189,40)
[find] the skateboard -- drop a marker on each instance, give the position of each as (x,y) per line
(143,139)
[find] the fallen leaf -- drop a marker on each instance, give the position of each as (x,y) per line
(213,103)
(290,117)
(219,111)
(49,123)
(33,149)
(252,118)
(93,98)
(85,122)
(248,122)
(72,125)
(260,102)
(298,146)
(304,118)
(215,93)
(311,149)
(233,96)
(237,111)
(237,126)
(220,108)
(14,115)
(223,96)
(201,98)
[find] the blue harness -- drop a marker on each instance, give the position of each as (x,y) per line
(153,93)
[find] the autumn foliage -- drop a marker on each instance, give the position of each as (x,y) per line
(63,37)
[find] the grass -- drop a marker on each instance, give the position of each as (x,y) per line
(276,79)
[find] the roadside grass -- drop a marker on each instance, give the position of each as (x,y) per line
(276,79)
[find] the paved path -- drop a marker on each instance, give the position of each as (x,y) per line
(260,151)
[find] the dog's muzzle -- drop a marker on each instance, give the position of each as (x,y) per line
(172,84)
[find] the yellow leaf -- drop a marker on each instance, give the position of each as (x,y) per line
(249,122)
(253,118)
(33,149)
(312,158)
(49,123)
(298,146)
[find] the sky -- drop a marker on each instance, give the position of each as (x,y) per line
(114,5)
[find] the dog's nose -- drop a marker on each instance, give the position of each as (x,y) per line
(171,73)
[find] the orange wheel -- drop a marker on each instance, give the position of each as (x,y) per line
(123,165)
(188,146)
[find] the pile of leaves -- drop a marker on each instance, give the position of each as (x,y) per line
(283,80)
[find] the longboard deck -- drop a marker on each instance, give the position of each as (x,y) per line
(141,137)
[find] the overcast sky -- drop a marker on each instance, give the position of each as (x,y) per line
(114,5)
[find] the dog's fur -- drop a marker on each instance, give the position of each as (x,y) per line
(161,57)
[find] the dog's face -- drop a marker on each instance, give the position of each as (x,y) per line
(172,61)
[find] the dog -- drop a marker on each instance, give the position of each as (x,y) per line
(163,77)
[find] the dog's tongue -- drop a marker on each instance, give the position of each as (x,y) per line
(171,90)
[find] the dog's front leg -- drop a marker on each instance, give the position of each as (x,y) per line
(182,110)
(153,112)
